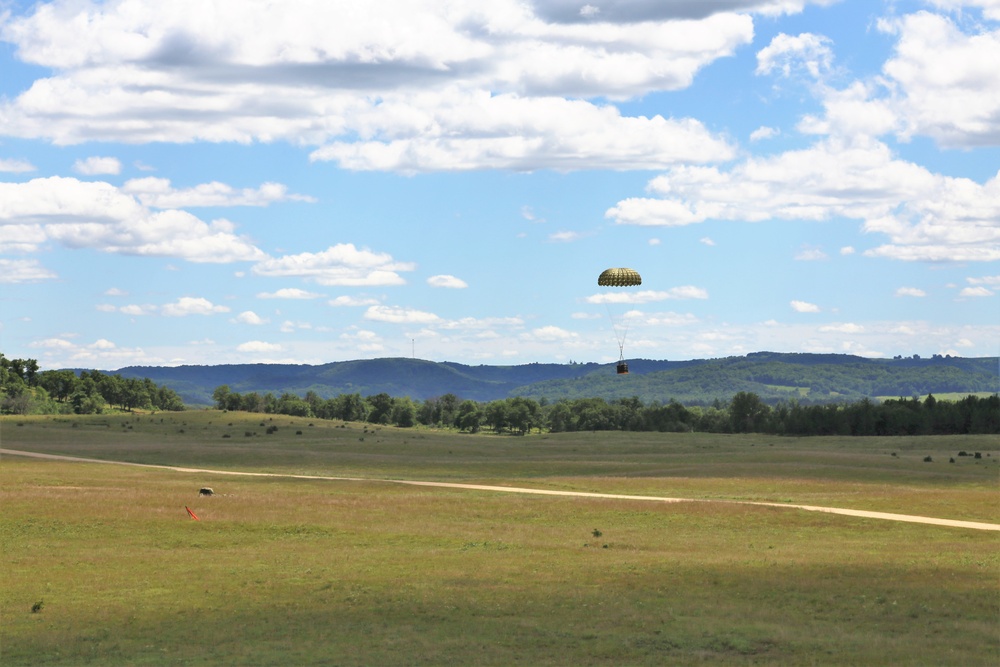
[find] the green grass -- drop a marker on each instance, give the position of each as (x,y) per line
(286,572)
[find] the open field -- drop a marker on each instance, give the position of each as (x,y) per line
(283,571)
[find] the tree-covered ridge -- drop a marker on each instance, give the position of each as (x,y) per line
(807,378)
(745,413)
(25,389)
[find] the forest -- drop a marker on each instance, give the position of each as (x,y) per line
(25,389)
(744,413)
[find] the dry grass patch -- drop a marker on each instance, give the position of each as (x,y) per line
(308,572)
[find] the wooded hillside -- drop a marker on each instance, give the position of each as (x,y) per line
(806,378)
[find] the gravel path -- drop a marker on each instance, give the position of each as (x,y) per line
(887,516)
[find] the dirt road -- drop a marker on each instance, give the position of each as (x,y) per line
(887,516)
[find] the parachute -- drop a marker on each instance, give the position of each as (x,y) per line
(619,277)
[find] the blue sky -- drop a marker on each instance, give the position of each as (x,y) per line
(239,181)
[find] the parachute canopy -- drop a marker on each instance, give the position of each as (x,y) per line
(620,277)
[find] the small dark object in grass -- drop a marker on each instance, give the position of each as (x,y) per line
(596,533)
(226,435)
(37,607)
(963,453)
(951,460)
(928,459)
(298,433)
(894,453)
(978,455)
(271,429)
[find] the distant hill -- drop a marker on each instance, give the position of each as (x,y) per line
(774,376)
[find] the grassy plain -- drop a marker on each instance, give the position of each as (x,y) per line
(102,565)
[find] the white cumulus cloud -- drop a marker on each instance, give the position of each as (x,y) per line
(400,315)
(159,193)
(405,85)
(98,215)
(250,317)
(187,305)
(804,307)
(96,166)
(11,165)
(342,264)
(447,281)
(289,293)
(258,346)
(24,271)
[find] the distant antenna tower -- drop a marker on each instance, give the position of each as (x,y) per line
(413,348)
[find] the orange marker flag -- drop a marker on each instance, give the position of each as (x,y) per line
(193,515)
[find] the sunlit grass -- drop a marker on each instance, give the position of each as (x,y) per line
(287,572)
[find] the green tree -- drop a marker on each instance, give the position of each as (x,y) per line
(469,417)
(747,413)
(380,408)
(221,396)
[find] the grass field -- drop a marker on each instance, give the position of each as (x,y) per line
(103,566)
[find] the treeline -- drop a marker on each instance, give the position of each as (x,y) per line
(745,413)
(25,389)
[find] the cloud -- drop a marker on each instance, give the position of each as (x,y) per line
(158,193)
(550,334)
(564,237)
(15,166)
(943,80)
(804,307)
(648,296)
(764,132)
(790,54)
(136,309)
(250,317)
(405,85)
(97,215)
(910,291)
(96,166)
(258,346)
(351,301)
(927,216)
(114,291)
(846,328)
(975,292)
(447,281)
(24,271)
(704,240)
(342,264)
(985,280)
(289,326)
(53,344)
(289,293)
(808,254)
(400,315)
(639,11)
(847,250)
(187,305)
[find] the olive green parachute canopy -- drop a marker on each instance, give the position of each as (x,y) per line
(619,278)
